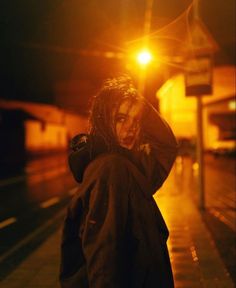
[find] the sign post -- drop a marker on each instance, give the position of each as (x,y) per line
(198,82)
(200,156)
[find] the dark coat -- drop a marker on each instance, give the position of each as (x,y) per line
(114,234)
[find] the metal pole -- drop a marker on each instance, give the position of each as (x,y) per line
(146,31)
(147,19)
(196,9)
(200,155)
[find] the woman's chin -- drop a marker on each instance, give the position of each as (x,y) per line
(127,146)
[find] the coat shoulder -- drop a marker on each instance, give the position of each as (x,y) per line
(108,163)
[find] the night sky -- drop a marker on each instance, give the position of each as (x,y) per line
(41,43)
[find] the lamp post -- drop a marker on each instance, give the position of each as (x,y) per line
(198,83)
(144,57)
(200,152)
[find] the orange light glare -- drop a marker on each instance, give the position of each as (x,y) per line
(232,105)
(144,57)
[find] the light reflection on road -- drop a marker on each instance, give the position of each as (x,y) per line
(220,185)
(44,179)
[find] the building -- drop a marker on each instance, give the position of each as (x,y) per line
(219,120)
(28,130)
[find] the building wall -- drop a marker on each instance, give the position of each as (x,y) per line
(41,136)
(180,111)
(75,124)
(52,129)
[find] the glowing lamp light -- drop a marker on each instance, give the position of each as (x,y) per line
(232,105)
(144,57)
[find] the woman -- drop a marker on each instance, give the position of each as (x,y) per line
(114,234)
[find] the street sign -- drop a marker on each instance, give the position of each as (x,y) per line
(198,82)
(198,75)
(200,41)
(198,66)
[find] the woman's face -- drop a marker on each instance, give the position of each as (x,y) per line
(127,123)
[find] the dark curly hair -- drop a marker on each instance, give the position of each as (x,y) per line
(106,104)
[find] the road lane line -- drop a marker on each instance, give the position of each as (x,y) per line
(12,180)
(73,191)
(33,235)
(7,222)
(21,178)
(50,202)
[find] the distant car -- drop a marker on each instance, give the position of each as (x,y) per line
(224,147)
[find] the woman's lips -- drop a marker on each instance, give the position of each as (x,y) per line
(128,140)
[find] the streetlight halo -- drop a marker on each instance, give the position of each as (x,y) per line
(144,57)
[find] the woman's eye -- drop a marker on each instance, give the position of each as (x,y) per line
(120,119)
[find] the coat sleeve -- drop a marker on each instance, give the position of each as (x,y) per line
(159,150)
(104,229)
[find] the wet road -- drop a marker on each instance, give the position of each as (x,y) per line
(221,190)
(220,199)
(29,201)
(47,183)
(220,185)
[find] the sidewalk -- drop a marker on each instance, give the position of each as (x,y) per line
(195,260)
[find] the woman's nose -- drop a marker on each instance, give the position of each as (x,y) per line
(132,125)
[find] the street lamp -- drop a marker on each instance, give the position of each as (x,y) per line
(144,57)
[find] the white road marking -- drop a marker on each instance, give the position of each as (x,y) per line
(12,180)
(7,222)
(33,235)
(50,202)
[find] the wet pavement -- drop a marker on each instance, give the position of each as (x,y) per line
(195,259)
(29,203)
